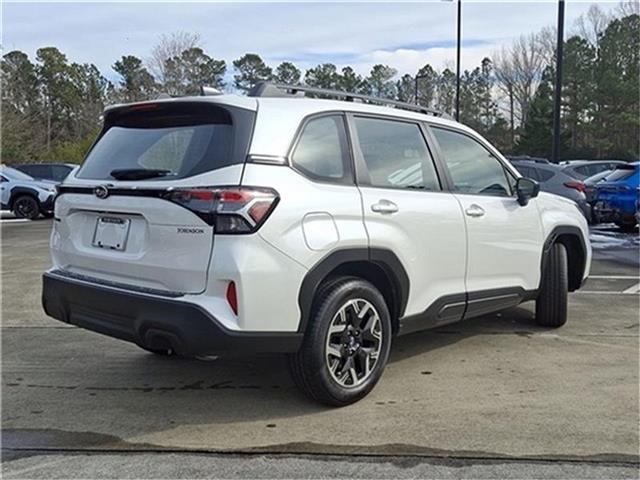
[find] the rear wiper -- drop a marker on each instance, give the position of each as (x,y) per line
(138,173)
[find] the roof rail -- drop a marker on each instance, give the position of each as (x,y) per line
(526,158)
(209,91)
(269,89)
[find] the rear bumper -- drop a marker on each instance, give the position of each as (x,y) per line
(605,211)
(152,321)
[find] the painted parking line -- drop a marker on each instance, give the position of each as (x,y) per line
(615,277)
(8,221)
(603,292)
(633,289)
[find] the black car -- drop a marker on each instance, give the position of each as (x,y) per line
(56,172)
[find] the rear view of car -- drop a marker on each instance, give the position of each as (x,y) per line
(616,196)
(553,179)
(119,196)
(583,169)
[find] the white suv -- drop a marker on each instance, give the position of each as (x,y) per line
(315,227)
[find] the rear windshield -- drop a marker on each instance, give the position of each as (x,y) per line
(619,174)
(185,139)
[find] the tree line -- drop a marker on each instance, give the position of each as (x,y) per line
(51,107)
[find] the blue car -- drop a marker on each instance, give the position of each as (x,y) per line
(616,196)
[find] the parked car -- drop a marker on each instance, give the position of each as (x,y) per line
(616,196)
(553,179)
(590,185)
(320,228)
(25,196)
(582,169)
(56,172)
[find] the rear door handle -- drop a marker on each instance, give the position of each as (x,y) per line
(474,211)
(384,206)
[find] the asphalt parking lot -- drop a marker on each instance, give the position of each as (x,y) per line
(493,397)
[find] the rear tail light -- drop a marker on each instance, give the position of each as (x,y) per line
(230,210)
(576,186)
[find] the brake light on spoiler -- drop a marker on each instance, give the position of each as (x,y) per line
(230,210)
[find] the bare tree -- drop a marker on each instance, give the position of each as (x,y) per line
(590,25)
(628,7)
(518,68)
(547,39)
(170,46)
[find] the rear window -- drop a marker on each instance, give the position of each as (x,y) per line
(185,139)
(619,174)
(545,175)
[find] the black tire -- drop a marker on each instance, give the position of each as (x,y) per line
(551,304)
(310,367)
(25,206)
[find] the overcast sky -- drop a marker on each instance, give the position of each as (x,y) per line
(402,35)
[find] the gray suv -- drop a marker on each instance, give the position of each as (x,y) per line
(582,169)
(553,179)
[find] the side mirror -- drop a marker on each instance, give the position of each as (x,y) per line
(526,189)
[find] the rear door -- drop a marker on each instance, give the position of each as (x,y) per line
(132,215)
(407,212)
(504,238)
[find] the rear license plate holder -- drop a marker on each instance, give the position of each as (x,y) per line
(111,233)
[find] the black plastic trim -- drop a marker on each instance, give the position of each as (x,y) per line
(17,191)
(459,306)
(383,258)
(489,301)
(577,280)
(153,322)
(444,310)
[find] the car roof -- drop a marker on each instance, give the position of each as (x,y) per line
(279,117)
(70,165)
(274,138)
(578,163)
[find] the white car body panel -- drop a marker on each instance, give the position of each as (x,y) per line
(504,244)
(300,197)
(427,233)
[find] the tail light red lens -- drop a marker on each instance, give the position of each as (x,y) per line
(576,186)
(231,210)
(232,297)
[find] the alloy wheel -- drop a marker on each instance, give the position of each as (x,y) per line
(353,344)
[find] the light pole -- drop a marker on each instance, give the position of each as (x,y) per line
(555,151)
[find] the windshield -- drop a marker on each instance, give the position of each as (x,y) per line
(14,174)
(168,142)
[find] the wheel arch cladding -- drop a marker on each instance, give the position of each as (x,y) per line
(379,266)
(573,240)
(20,191)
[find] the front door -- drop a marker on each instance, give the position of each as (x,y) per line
(407,211)
(504,238)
